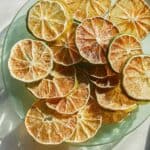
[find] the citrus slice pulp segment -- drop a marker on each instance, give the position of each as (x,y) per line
(30,60)
(136,77)
(64,48)
(83,9)
(89,121)
(48,127)
(47,19)
(121,49)
(115,100)
(132,17)
(92,38)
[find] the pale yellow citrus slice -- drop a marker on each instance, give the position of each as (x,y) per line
(64,48)
(131,17)
(115,100)
(47,19)
(121,49)
(82,9)
(92,38)
(136,77)
(89,121)
(30,60)
(47,126)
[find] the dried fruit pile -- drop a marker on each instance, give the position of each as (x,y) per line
(87,70)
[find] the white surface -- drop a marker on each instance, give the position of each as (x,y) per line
(134,141)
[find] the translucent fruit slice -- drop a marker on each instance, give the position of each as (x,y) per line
(136,77)
(121,49)
(132,17)
(64,48)
(47,19)
(115,100)
(30,60)
(47,126)
(82,9)
(89,121)
(92,38)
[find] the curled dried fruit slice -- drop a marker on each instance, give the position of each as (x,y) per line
(115,99)
(89,121)
(93,37)
(47,126)
(132,17)
(64,48)
(121,49)
(30,60)
(82,9)
(136,77)
(47,19)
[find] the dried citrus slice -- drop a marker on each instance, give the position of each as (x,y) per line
(115,99)
(136,77)
(30,60)
(121,49)
(47,126)
(132,17)
(89,121)
(92,38)
(47,19)
(64,48)
(82,9)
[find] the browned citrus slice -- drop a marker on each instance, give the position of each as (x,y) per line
(30,60)
(89,121)
(136,77)
(115,99)
(47,19)
(92,38)
(132,17)
(64,48)
(47,126)
(82,9)
(121,49)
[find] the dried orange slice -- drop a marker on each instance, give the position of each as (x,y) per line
(132,17)
(136,77)
(121,49)
(115,100)
(30,60)
(93,37)
(89,121)
(47,126)
(82,9)
(64,48)
(47,19)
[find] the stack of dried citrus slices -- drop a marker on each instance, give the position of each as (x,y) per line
(86,67)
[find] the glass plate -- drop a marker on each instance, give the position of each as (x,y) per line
(22,99)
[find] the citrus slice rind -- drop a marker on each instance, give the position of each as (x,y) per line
(48,127)
(136,77)
(47,19)
(115,100)
(64,48)
(131,17)
(121,49)
(89,121)
(92,39)
(30,60)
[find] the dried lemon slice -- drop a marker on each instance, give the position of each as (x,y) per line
(89,121)
(47,126)
(132,17)
(47,19)
(93,37)
(115,99)
(30,60)
(136,77)
(121,49)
